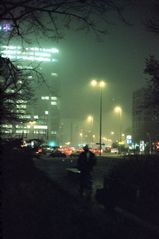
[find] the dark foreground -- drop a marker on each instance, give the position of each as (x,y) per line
(33,206)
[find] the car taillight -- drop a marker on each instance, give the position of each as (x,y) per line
(38,151)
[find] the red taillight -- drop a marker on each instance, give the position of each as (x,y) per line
(38,151)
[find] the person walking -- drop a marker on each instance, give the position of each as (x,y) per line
(85,163)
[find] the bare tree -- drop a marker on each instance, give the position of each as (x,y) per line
(49,17)
(152,70)
(15,91)
(152,23)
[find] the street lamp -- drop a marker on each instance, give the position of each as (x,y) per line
(81,136)
(101,85)
(90,121)
(118,110)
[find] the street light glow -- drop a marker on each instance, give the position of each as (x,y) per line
(102,84)
(118,109)
(90,118)
(93,82)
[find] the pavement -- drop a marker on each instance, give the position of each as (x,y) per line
(117,223)
(36,206)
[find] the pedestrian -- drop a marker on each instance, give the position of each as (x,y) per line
(85,163)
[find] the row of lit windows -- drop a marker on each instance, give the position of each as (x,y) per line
(25,116)
(20,131)
(31,54)
(7,126)
(20,111)
(28,58)
(30,125)
(25,131)
(20,126)
(47,98)
(52,50)
(21,106)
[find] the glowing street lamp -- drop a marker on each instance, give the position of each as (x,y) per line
(101,85)
(90,121)
(118,110)
(81,136)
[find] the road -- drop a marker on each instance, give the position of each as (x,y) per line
(55,168)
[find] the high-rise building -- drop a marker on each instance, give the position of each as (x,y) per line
(42,114)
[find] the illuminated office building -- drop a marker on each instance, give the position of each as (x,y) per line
(43,114)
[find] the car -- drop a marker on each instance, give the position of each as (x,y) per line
(114,151)
(97,151)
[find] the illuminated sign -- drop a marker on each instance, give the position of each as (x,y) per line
(52,143)
(129,139)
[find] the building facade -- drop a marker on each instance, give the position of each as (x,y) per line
(43,114)
(145,121)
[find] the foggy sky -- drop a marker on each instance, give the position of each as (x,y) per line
(119,59)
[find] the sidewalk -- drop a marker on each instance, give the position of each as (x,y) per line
(34,207)
(70,185)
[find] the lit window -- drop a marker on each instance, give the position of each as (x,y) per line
(53,103)
(7,126)
(10,91)
(40,127)
(45,97)
(19,131)
(26,131)
(54,74)
(21,106)
(21,101)
(53,98)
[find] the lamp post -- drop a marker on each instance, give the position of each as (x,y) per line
(90,121)
(118,110)
(101,85)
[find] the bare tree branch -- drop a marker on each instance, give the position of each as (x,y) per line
(14,88)
(52,16)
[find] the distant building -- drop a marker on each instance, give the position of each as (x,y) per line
(43,117)
(145,121)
